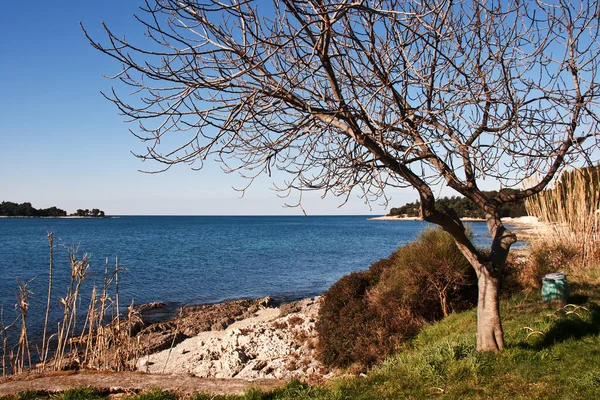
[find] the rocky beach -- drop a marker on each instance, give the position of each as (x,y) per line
(224,348)
(268,342)
(244,339)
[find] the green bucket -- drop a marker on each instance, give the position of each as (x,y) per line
(555,287)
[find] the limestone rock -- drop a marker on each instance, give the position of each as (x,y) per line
(281,345)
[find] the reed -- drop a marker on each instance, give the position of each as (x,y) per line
(571,210)
(44,352)
(88,327)
(118,317)
(105,341)
(174,338)
(4,329)
(79,273)
(23,352)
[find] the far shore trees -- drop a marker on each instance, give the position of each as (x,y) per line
(365,96)
(464,207)
(10,209)
(96,213)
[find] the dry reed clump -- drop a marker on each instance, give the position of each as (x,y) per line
(106,340)
(571,211)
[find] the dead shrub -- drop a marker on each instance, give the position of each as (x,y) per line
(516,274)
(299,337)
(289,308)
(547,257)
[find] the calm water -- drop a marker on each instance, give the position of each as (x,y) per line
(198,259)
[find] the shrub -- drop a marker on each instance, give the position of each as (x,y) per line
(343,318)
(366,315)
(431,275)
(547,257)
(516,275)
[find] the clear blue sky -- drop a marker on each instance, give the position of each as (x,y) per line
(63,144)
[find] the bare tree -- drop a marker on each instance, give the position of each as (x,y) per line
(363,96)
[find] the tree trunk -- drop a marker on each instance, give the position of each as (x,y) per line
(488,268)
(444,303)
(489,326)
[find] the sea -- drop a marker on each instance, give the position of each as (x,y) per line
(193,259)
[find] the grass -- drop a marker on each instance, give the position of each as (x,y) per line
(72,394)
(552,352)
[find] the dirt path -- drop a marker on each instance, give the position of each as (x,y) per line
(134,382)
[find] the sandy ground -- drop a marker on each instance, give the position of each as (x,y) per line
(525,222)
(526,228)
(131,382)
(392,218)
(528,221)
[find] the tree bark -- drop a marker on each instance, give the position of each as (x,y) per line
(490,336)
(444,301)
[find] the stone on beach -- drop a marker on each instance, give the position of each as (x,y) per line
(270,344)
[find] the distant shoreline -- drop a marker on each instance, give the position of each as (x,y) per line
(392,218)
(525,221)
(50,216)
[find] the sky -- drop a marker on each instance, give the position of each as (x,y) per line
(62,144)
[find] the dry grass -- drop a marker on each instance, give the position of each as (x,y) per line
(572,211)
(106,340)
(23,352)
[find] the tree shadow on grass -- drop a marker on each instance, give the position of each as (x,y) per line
(570,326)
(578,299)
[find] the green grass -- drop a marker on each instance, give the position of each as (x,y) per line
(560,359)
(550,353)
(83,393)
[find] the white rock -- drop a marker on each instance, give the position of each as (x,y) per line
(251,349)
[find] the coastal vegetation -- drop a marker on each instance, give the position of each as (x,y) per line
(104,341)
(552,352)
(367,315)
(571,211)
(355,97)
(464,207)
(10,209)
(95,212)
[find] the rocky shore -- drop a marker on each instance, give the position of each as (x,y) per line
(246,339)
(224,348)
(269,342)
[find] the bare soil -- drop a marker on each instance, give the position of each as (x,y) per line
(131,382)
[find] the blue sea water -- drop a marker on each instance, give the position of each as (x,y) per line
(197,259)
